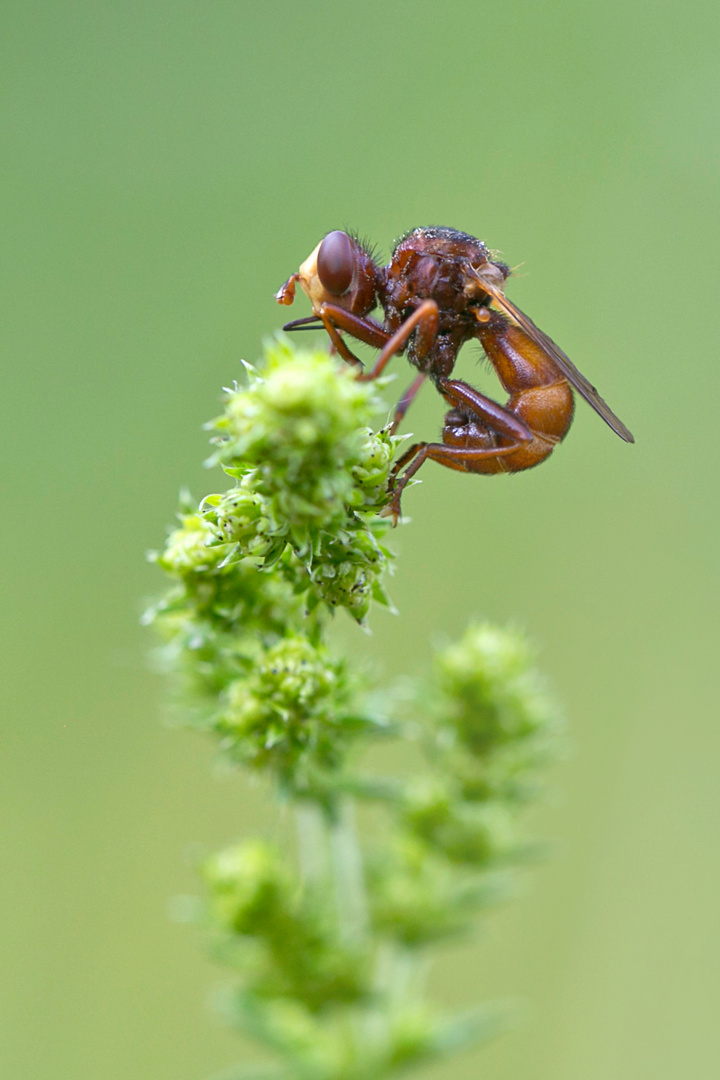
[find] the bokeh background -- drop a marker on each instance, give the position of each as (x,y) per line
(165,167)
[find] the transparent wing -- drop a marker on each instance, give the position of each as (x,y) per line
(571,373)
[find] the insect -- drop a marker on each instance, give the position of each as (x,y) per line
(440,289)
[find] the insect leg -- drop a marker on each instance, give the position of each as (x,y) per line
(405,401)
(425,320)
(453,457)
(488,412)
(337,341)
(366,330)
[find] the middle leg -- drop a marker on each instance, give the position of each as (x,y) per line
(406,401)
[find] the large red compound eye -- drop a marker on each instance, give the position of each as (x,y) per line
(335,262)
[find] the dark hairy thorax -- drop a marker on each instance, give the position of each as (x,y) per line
(436,263)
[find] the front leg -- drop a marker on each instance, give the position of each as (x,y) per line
(335,318)
(424,319)
(362,328)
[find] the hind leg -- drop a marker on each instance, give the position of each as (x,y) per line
(485,420)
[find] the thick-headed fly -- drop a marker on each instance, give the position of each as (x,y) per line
(440,289)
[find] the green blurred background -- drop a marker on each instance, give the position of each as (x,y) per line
(165,167)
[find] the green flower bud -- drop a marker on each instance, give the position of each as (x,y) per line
(252,895)
(189,549)
(491,695)
(346,571)
(372,471)
(469,833)
(242,517)
(412,1036)
(413,894)
(249,888)
(288,710)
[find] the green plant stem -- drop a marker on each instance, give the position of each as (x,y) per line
(348,875)
(312,834)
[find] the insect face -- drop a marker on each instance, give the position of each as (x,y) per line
(339,271)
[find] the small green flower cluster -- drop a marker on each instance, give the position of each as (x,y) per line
(313,992)
(305,991)
(292,713)
(311,477)
(491,724)
(326,953)
(286,943)
(257,568)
